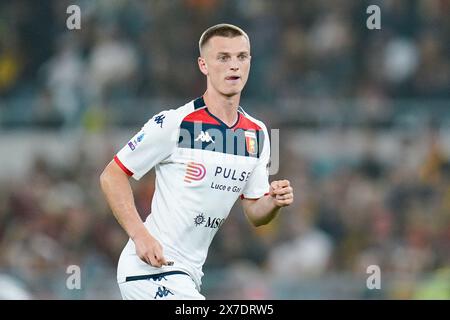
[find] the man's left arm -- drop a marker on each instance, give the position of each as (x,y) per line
(261,211)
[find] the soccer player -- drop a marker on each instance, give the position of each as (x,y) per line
(206,154)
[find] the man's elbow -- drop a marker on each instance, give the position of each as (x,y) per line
(112,175)
(105,177)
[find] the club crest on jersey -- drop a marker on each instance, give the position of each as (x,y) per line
(251,142)
(194,172)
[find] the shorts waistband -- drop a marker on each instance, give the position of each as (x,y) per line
(154,276)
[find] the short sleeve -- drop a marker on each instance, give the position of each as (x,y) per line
(151,145)
(258,184)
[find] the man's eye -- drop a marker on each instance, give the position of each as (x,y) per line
(243,57)
(223,58)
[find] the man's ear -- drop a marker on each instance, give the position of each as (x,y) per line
(202,66)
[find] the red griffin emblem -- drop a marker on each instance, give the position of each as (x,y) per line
(250,142)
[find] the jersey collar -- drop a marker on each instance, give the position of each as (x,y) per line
(200,103)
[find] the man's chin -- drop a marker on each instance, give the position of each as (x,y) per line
(231,93)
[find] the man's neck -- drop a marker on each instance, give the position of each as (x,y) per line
(223,107)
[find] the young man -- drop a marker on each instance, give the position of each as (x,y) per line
(206,154)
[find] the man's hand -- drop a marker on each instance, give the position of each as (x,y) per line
(150,250)
(281,193)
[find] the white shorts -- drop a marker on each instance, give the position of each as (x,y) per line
(172,285)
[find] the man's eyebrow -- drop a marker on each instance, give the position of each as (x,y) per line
(228,53)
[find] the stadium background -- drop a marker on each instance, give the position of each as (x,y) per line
(365,140)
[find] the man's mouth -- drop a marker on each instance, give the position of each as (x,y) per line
(232,78)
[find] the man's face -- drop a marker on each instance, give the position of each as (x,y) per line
(226,63)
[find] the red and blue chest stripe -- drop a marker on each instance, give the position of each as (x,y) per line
(202,130)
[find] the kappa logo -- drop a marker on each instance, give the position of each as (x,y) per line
(204,137)
(159,119)
(159,278)
(162,292)
(194,172)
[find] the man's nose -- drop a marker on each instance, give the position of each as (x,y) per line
(234,64)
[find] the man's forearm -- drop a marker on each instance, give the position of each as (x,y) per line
(117,189)
(262,211)
(266,208)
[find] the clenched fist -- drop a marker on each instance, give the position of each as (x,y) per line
(281,193)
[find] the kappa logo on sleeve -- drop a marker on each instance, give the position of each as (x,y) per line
(159,119)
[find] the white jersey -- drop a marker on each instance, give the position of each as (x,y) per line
(202,167)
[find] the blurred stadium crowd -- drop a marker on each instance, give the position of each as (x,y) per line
(317,71)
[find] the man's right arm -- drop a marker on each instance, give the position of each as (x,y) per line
(116,186)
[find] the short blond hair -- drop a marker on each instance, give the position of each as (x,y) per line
(221,30)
